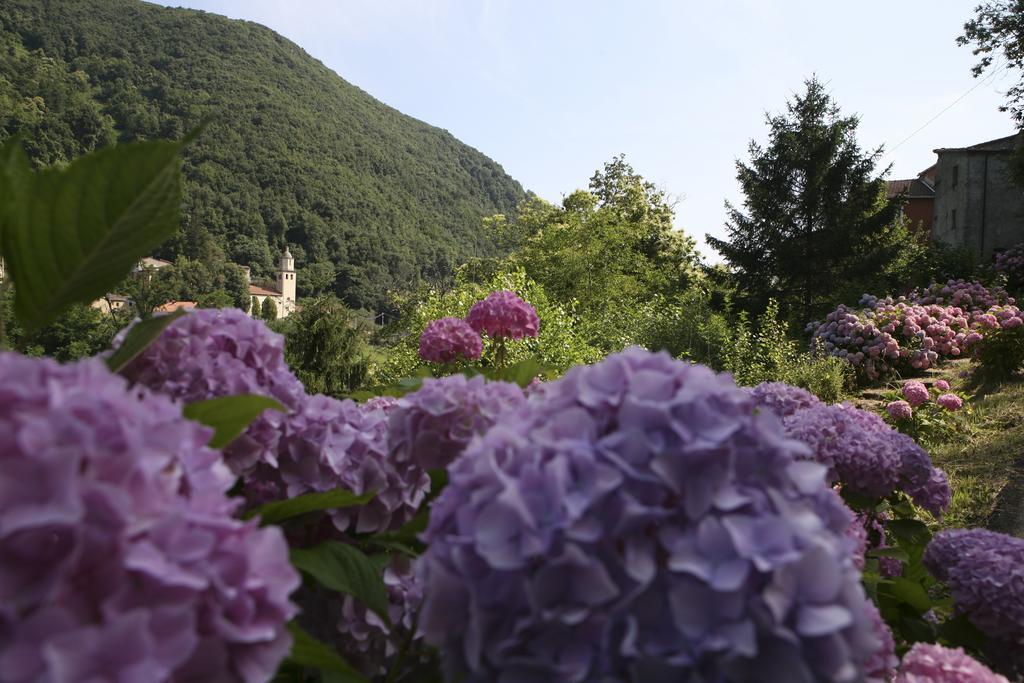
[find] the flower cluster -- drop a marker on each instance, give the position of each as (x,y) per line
(432,426)
(1011,262)
(327,444)
(968,295)
(119,555)
(915,392)
(448,339)
(928,663)
(985,573)
(943,321)
(222,352)
(641,520)
(504,314)
(784,399)
(868,457)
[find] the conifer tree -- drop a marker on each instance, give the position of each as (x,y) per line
(269,310)
(815,218)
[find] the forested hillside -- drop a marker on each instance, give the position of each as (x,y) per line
(293,153)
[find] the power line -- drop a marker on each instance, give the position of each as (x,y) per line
(981,82)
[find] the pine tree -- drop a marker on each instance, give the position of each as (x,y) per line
(815,216)
(254,307)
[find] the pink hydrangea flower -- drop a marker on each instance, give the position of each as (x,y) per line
(448,339)
(915,392)
(950,402)
(928,663)
(504,314)
(899,410)
(942,385)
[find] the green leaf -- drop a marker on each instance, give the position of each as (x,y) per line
(229,415)
(139,338)
(911,593)
(523,372)
(309,652)
(898,553)
(909,530)
(960,632)
(77,231)
(279,511)
(14,174)
(346,569)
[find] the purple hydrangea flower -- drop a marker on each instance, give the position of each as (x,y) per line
(641,520)
(783,398)
(119,556)
(328,444)
(222,352)
(867,456)
(942,385)
(449,339)
(899,410)
(504,314)
(929,663)
(985,573)
(915,392)
(950,402)
(883,662)
(432,426)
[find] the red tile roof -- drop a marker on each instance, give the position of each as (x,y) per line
(172,306)
(259,291)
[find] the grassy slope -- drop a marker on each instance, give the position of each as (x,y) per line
(985,460)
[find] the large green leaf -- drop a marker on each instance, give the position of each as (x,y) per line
(309,652)
(75,232)
(344,568)
(14,174)
(139,338)
(229,415)
(282,510)
(911,593)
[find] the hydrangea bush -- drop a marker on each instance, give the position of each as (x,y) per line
(120,557)
(930,415)
(912,333)
(639,521)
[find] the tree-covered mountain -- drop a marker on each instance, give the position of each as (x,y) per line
(292,153)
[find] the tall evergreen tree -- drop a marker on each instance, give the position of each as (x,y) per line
(815,218)
(269,310)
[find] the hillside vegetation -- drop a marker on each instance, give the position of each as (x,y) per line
(293,153)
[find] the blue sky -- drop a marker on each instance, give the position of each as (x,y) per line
(551,89)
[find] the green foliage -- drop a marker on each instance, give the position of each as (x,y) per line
(69,234)
(284,510)
(212,283)
(269,309)
(558,346)
(344,568)
(254,306)
(327,346)
(929,423)
(814,212)
(79,332)
(229,415)
(293,154)
(309,652)
(767,354)
(1000,354)
(998,27)
(605,251)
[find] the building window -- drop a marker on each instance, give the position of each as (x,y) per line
(956,176)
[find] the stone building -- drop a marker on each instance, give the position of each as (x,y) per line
(977,203)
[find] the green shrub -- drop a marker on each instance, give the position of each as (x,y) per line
(1000,354)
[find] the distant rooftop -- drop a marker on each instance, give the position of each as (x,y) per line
(911,188)
(260,291)
(998,145)
(172,306)
(150,262)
